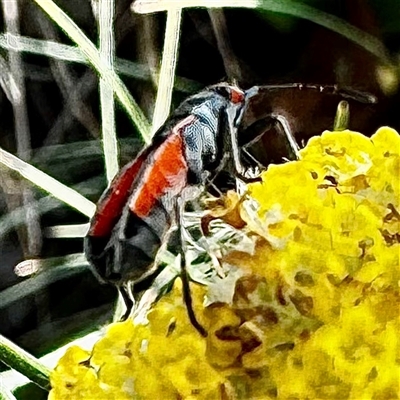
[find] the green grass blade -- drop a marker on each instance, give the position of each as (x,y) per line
(49,271)
(47,183)
(22,132)
(106,33)
(289,7)
(16,217)
(23,362)
(168,65)
(7,82)
(150,6)
(68,53)
(6,394)
(66,231)
(93,56)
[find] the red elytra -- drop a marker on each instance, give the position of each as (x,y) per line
(166,168)
(111,204)
(167,172)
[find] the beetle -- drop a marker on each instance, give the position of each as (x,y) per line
(135,215)
(145,200)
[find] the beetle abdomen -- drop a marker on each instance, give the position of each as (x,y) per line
(129,253)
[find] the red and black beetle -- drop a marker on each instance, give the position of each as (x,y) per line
(199,140)
(135,215)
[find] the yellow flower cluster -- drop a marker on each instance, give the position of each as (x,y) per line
(164,359)
(331,226)
(315,313)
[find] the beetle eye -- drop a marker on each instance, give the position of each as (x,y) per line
(224,91)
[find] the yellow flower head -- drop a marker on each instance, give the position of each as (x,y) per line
(314,312)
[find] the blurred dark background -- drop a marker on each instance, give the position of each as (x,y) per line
(62,104)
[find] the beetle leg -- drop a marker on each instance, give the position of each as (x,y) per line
(187,297)
(233,144)
(253,160)
(247,179)
(126,295)
(285,126)
(234,151)
(209,180)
